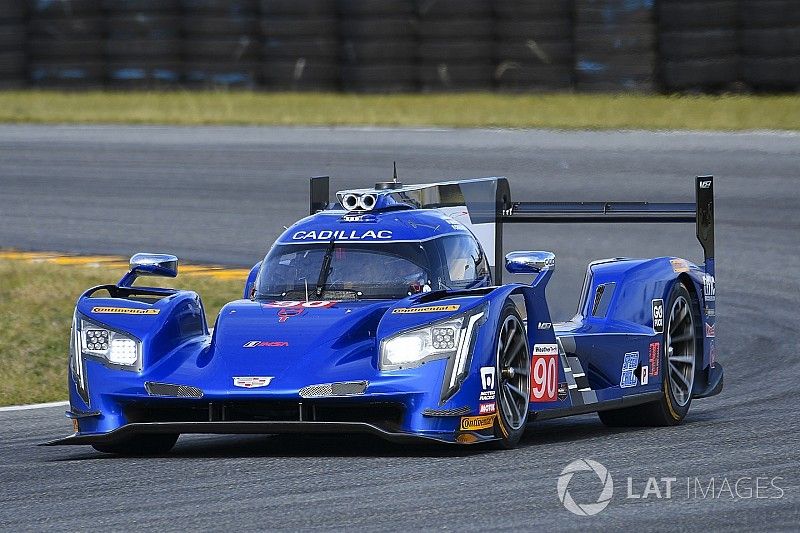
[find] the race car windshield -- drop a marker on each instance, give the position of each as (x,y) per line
(354,270)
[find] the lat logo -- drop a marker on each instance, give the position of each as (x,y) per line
(545,325)
(705,184)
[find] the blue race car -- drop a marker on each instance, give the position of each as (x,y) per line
(385,312)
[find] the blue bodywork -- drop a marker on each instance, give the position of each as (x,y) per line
(320,358)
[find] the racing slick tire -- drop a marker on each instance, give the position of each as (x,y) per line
(681,362)
(154,444)
(512,371)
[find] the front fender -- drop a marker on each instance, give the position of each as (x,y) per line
(161,324)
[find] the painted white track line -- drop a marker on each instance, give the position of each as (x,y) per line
(33,406)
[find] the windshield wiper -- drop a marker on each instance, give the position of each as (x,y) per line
(325,269)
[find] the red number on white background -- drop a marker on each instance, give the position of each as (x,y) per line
(544,378)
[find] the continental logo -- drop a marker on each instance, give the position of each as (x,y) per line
(124,311)
(475,423)
(429,309)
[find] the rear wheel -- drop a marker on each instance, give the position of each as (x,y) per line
(680,363)
(513,363)
(155,444)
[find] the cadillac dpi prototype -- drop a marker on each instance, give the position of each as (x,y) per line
(385,312)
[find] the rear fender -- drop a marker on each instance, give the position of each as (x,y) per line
(638,284)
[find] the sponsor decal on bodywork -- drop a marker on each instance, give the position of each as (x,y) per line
(343,235)
(476,423)
(285,313)
(428,309)
(265,344)
(486,408)
(545,349)
(645,376)
(629,365)
(655,358)
(544,378)
(251,382)
(124,311)
(487,384)
(709,288)
(563,391)
(545,325)
(312,304)
(658,316)
(679,265)
(710,330)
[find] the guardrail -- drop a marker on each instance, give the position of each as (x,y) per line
(403,45)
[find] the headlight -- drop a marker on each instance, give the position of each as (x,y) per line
(417,346)
(114,346)
(451,339)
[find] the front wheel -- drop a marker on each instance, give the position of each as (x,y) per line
(680,363)
(152,444)
(512,367)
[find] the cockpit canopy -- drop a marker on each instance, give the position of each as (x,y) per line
(372,270)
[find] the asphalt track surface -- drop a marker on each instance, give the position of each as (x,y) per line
(223,194)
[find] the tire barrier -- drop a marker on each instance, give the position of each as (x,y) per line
(615,45)
(66,44)
(301,45)
(384,46)
(378,45)
(698,45)
(13,44)
(455,51)
(143,44)
(533,50)
(221,43)
(769,42)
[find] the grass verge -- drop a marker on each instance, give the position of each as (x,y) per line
(36,305)
(562,111)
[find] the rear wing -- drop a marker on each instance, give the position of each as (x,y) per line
(485,205)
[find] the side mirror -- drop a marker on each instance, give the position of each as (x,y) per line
(530,262)
(154,265)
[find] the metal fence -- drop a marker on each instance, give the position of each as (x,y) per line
(403,45)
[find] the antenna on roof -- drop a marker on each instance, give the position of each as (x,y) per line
(388,185)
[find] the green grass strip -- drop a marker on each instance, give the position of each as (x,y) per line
(37,301)
(560,111)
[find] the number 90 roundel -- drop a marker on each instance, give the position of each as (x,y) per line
(544,376)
